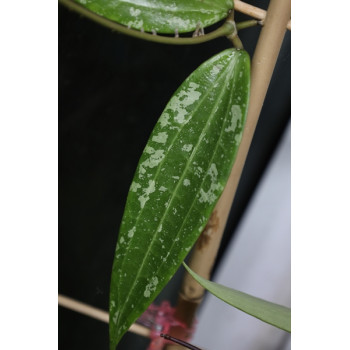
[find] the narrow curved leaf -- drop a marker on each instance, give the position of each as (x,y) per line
(179,178)
(163,16)
(274,314)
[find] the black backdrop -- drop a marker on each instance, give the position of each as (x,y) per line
(112,90)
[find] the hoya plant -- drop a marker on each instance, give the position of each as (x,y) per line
(187,160)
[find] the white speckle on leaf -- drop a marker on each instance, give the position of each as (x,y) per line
(134,12)
(115,317)
(162,188)
(187,182)
(175,177)
(134,186)
(180,102)
(216,69)
(238,138)
(160,228)
(213,172)
(187,148)
(166,257)
(211,195)
(164,120)
(149,150)
(122,240)
(171,7)
(200,229)
(151,287)
(131,232)
(146,192)
(198,171)
(160,138)
(137,24)
(155,158)
(236,115)
(178,22)
(205,11)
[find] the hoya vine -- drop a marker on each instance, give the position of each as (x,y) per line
(188,157)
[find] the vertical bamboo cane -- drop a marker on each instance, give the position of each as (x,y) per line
(205,250)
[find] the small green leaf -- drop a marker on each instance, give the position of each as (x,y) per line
(163,16)
(274,314)
(180,176)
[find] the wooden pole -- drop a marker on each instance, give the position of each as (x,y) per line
(253,11)
(205,250)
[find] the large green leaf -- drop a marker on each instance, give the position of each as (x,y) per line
(274,314)
(179,178)
(163,16)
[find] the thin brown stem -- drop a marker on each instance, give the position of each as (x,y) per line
(233,37)
(236,41)
(247,24)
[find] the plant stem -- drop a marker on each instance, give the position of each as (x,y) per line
(226,29)
(263,63)
(236,41)
(247,24)
(233,37)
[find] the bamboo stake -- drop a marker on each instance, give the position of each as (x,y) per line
(96,313)
(205,250)
(253,11)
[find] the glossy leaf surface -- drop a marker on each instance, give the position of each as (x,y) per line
(163,16)
(179,178)
(274,314)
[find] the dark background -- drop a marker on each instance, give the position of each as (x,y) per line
(112,90)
